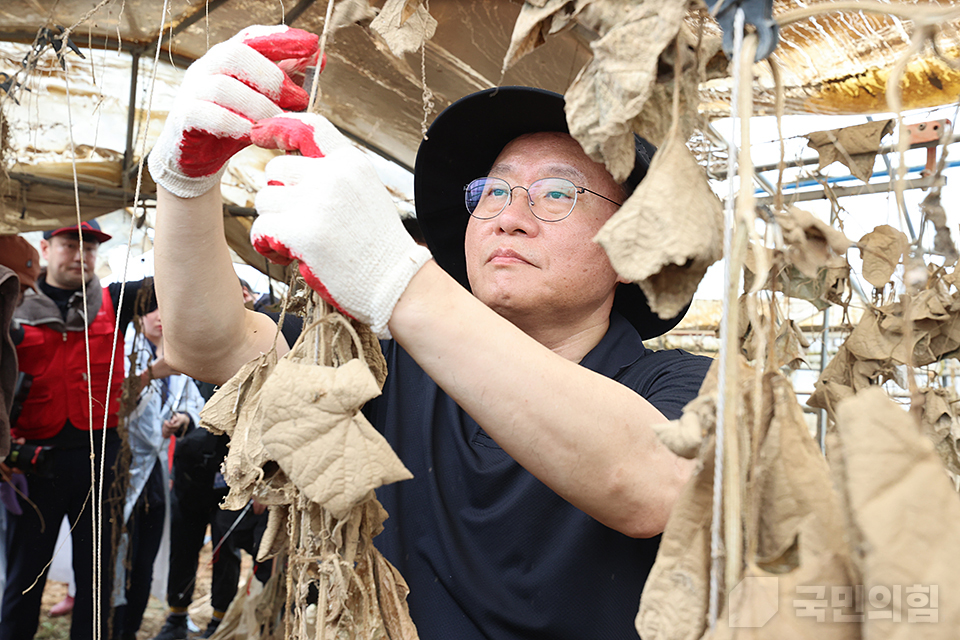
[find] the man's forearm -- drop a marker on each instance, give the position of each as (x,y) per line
(587,437)
(208,334)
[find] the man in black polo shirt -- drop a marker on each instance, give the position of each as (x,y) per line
(519,392)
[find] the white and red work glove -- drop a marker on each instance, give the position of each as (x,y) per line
(233,85)
(329,210)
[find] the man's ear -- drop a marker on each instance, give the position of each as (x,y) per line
(44,247)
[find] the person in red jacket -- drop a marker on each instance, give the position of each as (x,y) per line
(73,371)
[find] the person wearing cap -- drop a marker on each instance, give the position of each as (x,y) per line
(66,316)
(519,392)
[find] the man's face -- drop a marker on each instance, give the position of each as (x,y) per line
(62,254)
(525,268)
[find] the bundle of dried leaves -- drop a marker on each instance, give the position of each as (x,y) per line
(793,528)
(300,444)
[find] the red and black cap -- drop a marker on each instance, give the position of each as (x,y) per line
(91,231)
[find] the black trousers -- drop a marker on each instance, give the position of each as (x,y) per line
(32,541)
(145,532)
(192,508)
(246,535)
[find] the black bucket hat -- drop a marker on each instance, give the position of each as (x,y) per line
(463,143)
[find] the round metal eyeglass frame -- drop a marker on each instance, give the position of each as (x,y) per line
(478,186)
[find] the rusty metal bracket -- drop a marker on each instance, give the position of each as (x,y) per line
(929,134)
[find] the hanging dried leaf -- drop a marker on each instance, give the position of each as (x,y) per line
(878,338)
(811,242)
(906,511)
(654,121)
(847,374)
(826,287)
(789,346)
(836,382)
(275,537)
(536,21)
(220,413)
(684,436)
(316,433)
(307,411)
(882,250)
(940,423)
(235,410)
(674,602)
(349,12)
(878,344)
(404,25)
(934,213)
(668,232)
(935,330)
(855,147)
(253,612)
(796,523)
(765,605)
(362,595)
(793,485)
(611,91)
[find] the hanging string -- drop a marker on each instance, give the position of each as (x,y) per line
(427,95)
(97,515)
(96,519)
(97,507)
(716,552)
(315,85)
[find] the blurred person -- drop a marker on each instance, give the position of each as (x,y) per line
(19,268)
(198,490)
(168,404)
(292,324)
(67,311)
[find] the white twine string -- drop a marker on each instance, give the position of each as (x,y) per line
(315,91)
(98,504)
(95,521)
(716,551)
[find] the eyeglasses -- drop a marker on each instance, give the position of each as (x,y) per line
(550,199)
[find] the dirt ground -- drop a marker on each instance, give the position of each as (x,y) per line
(153,618)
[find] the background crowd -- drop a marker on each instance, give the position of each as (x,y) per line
(132,485)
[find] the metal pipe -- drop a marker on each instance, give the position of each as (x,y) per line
(122,195)
(819,194)
(131,118)
(822,417)
(721,174)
